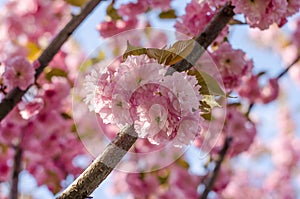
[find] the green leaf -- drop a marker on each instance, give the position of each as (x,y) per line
(163,179)
(66,116)
(133,50)
(207,116)
(209,86)
(170,14)
(184,164)
(112,12)
(161,55)
(178,51)
(181,49)
(54,72)
(210,101)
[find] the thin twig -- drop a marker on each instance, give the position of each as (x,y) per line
(14,191)
(101,167)
(15,95)
(209,185)
(280,75)
(288,68)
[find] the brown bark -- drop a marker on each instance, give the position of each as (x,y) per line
(14,191)
(101,167)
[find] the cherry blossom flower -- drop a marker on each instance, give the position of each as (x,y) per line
(240,186)
(142,186)
(231,64)
(263,13)
(184,184)
(296,34)
(250,89)
(240,129)
(133,9)
(110,28)
(161,108)
(18,73)
(195,19)
(164,5)
(270,92)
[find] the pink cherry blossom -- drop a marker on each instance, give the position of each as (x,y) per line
(18,73)
(283,152)
(217,3)
(231,64)
(249,88)
(240,129)
(110,28)
(5,156)
(183,183)
(131,10)
(254,11)
(293,7)
(142,185)
(279,184)
(270,92)
(296,34)
(241,186)
(138,92)
(263,13)
(164,5)
(195,19)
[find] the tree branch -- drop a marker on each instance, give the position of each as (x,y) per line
(15,95)
(92,177)
(210,33)
(13,193)
(102,166)
(280,75)
(288,68)
(209,185)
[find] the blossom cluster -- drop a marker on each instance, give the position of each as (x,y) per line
(25,26)
(40,124)
(258,13)
(128,16)
(174,181)
(162,108)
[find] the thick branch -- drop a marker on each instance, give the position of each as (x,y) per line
(13,193)
(210,33)
(209,185)
(15,95)
(102,166)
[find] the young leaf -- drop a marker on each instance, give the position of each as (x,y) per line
(112,12)
(133,50)
(34,51)
(170,14)
(54,72)
(161,55)
(180,50)
(209,86)
(78,3)
(210,101)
